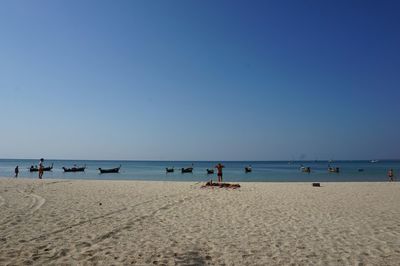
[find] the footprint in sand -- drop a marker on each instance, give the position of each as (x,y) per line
(37,202)
(2,201)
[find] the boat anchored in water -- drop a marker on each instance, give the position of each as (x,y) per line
(248,169)
(333,169)
(74,169)
(111,170)
(187,170)
(36,169)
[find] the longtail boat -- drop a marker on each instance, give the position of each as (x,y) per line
(111,170)
(36,169)
(333,169)
(74,169)
(169,170)
(187,170)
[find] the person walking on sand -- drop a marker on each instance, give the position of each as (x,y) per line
(41,166)
(16,171)
(219,169)
(391,175)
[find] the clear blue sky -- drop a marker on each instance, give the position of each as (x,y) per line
(200,80)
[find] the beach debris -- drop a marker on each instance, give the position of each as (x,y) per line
(316,184)
(100,203)
(220,185)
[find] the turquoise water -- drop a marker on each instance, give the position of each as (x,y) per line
(268,171)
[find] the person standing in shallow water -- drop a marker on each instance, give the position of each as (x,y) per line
(219,170)
(391,175)
(41,166)
(16,171)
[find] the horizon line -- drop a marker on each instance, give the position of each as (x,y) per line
(164,160)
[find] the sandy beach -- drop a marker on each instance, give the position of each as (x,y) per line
(78,222)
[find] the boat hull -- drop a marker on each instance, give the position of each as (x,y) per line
(108,171)
(73,170)
(45,169)
(187,170)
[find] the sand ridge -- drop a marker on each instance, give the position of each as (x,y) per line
(178,223)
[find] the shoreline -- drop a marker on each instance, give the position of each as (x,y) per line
(64,221)
(233,171)
(195,181)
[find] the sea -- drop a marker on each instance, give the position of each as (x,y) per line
(262,171)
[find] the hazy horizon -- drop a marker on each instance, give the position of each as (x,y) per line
(200,80)
(151,160)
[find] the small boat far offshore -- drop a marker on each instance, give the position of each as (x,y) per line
(305,169)
(187,170)
(111,170)
(248,169)
(333,169)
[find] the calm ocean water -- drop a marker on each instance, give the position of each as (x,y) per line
(268,171)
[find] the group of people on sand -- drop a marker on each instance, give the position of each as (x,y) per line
(40,169)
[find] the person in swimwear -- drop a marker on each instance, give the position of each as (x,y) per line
(41,166)
(391,175)
(219,169)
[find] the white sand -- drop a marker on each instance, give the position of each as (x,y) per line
(62,222)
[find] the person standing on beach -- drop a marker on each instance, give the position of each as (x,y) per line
(391,175)
(41,166)
(219,169)
(16,171)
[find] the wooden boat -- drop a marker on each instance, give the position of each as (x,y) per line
(333,169)
(210,171)
(36,169)
(187,170)
(305,169)
(248,169)
(111,170)
(74,169)
(169,170)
